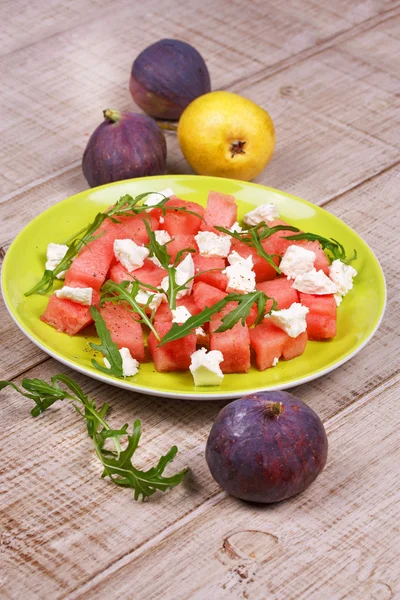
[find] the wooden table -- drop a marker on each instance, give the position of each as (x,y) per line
(328,73)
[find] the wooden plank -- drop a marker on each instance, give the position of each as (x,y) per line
(339,539)
(68,78)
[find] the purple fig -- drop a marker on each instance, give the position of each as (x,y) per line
(266,447)
(166,77)
(125,145)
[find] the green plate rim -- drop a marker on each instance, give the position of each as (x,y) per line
(203,393)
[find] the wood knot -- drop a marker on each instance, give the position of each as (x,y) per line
(259,546)
(289,91)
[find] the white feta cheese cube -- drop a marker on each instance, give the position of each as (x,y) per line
(130,255)
(184,274)
(341,275)
(292,320)
(54,254)
(76,294)
(162,236)
(314,282)
(205,367)
(211,244)
(241,276)
(180,314)
(130,366)
(156,197)
(264,212)
(296,261)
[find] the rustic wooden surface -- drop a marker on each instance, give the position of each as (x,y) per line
(328,73)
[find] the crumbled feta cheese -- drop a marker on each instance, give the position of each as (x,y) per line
(156,197)
(241,277)
(205,367)
(314,282)
(130,366)
(264,212)
(236,228)
(55,253)
(211,244)
(162,236)
(129,254)
(296,261)
(341,275)
(161,220)
(183,275)
(292,320)
(76,294)
(180,314)
(143,296)
(275,361)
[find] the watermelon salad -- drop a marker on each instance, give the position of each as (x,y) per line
(189,287)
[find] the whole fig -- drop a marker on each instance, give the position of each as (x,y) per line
(124,146)
(266,447)
(166,77)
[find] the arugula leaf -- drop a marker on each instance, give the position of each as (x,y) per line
(116,463)
(127,292)
(239,313)
(335,248)
(254,236)
(107,347)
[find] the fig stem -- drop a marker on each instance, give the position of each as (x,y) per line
(112,115)
(167,125)
(274,409)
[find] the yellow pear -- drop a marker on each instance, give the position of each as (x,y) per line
(226,135)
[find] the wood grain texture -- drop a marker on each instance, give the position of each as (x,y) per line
(335,540)
(54,90)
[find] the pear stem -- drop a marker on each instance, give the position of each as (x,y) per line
(167,125)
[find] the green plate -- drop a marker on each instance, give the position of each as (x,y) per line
(359,314)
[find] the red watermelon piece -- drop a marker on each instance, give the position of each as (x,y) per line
(221,210)
(149,273)
(263,270)
(68,316)
(173,356)
(204,265)
(321,319)
(295,347)
(277,243)
(206,295)
(268,343)
(134,228)
(179,242)
(179,222)
(281,290)
(233,343)
(125,331)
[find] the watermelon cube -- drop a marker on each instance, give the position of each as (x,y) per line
(321,319)
(204,270)
(66,315)
(134,228)
(173,356)
(221,210)
(179,242)
(263,270)
(268,342)
(206,295)
(125,331)
(233,343)
(177,221)
(281,290)
(277,243)
(294,347)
